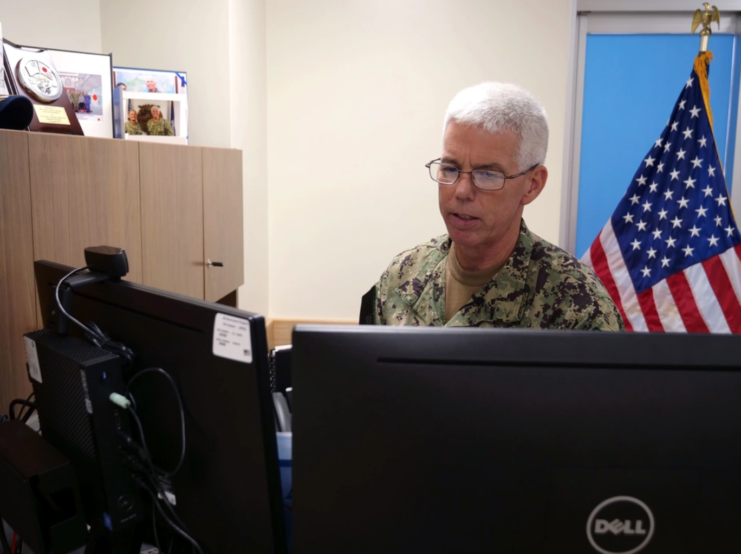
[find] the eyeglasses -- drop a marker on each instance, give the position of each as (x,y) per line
(484,179)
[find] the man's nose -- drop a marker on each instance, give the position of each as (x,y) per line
(464,187)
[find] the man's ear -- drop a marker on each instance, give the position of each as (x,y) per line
(535,184)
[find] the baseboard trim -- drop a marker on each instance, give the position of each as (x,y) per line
(279,330)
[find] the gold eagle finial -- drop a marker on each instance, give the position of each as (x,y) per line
(706,18)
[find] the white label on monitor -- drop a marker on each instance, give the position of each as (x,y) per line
(32,357)
(232,338)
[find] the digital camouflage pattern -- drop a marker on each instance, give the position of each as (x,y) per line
(133,128)
(540,286)
(161,127)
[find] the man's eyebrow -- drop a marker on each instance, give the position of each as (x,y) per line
(449,160)
(493,165)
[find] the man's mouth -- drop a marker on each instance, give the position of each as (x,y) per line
(464,217)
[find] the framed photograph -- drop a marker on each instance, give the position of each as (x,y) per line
(4,85)
(151,105)
(87,81)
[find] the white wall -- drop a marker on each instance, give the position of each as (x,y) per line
(52,24)
(191,36)
(356,96)
(249,133)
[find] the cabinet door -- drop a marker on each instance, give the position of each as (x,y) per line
(85,192)
(223,221)
(17,287)
(172,217)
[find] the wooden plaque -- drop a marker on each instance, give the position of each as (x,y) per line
(32,74)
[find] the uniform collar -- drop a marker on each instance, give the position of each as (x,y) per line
(500,300)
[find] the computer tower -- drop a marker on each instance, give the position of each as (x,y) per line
(73,381)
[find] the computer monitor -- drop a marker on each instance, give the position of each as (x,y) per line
(227,491)
(515,441)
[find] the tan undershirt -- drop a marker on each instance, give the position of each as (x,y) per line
(461,285)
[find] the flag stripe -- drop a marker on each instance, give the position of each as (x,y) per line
(668,311)
(646,300)
(685,302)
(723,289)
(707,304)
(622,278)
(587,258)
(732,265)
(602,270)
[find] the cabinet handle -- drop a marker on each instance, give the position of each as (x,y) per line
(209,263)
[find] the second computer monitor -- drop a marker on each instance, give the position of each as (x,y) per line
(228,490)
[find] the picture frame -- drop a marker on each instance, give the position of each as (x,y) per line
(5,89)
(140,93)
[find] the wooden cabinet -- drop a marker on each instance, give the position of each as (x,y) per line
(172,218)
(85,193)
(223,221)
(17,289)
(171,207)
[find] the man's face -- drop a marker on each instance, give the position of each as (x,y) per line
(151,85)
(132,116)
(155,114)
(478,218)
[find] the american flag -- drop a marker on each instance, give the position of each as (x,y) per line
(669,256)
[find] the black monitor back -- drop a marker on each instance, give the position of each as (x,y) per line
(228,490)
(475,440)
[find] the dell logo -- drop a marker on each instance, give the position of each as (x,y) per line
(602,526)
(620,525)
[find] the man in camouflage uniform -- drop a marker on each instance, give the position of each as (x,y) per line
(490,270)
(132,125)
(159,126)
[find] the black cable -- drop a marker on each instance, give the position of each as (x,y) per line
(92,331)
(101,340)
(24,403)
(4,539)
(25,416)
(154,522)
(144,441)
(61,308)
(153,475)
(178,530)
(175,527)
(180,406)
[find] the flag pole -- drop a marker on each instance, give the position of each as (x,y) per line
(706,18)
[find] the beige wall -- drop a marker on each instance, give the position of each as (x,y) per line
(190,36)
(336,104)
(356,96)
(249,133)
(52,23)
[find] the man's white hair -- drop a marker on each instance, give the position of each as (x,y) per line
(503,106)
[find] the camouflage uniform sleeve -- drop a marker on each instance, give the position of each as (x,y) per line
(590,305)
(380,300)
(605,316)
(386,288)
